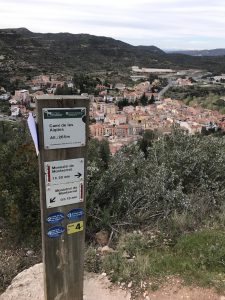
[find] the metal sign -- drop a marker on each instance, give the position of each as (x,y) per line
(64,171)
(64,182)
(64,127)
(64,194)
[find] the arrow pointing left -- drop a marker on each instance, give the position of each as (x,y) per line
(52,200)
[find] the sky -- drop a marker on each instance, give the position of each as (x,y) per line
(167,24)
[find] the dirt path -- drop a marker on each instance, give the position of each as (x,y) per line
(29,285)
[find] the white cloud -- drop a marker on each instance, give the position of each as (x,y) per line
(135,21)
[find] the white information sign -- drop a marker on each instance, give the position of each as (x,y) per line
(64,127)
(64,171)
(64,182)
(64,194)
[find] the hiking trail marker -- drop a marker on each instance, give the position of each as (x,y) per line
(64,182)
(64,127)
(62,123)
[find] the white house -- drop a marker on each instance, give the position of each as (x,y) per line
(15,110)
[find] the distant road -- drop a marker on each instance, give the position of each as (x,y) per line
(160,94)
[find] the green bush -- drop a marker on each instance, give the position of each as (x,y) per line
(19,192)
(178,185)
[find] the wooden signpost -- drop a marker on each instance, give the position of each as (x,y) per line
(62,123)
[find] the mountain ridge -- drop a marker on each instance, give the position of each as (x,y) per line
(68,51)
(204,52)
(28,53)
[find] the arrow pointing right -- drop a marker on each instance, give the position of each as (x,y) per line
(78,175)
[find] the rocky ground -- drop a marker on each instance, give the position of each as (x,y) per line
(29,285)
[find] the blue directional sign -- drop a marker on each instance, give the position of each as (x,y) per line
(75,214)
(55,231)
(55,218)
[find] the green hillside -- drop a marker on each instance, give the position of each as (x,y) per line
(24,52)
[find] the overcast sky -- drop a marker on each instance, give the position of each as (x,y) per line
(168,24)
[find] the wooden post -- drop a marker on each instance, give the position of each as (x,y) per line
(62,135)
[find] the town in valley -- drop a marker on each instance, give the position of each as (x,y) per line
(121,112)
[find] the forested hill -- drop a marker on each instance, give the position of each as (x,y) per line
(25,52)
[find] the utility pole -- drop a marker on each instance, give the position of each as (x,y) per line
(62,123)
